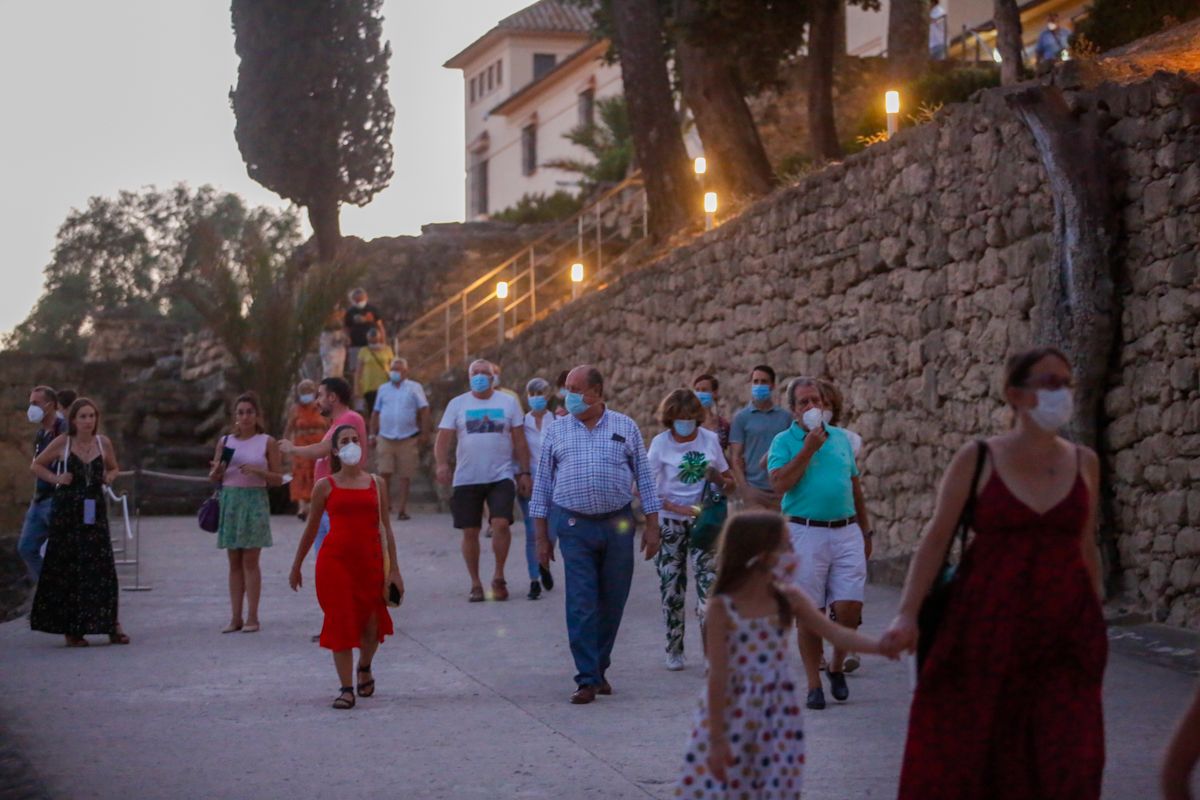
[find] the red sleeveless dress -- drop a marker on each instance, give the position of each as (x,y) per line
(1008,704)
(350,569)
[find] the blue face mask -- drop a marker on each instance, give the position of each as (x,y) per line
(395,377)
(575,403)
(760,392)
(706,399)
(481,383)
(305,399)
(684,427)
(537,403)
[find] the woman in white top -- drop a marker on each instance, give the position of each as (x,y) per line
(683,459)
(537,393)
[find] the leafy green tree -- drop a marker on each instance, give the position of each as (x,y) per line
(120,254)
(1112,23)
(535,208)
(609,141)
(264,303)
(314,120)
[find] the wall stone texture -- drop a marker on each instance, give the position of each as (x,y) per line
(908,274)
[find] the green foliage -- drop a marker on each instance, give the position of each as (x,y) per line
(121,254)
(609,141)
(265,305)
(314,120)
(536,208)
(924,97)
(1112,23)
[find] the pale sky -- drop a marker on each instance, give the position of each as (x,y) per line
(103,95)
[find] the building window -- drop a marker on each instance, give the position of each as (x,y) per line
(587,107)
(479,187)
(490,78)
(529,149)
(500,73)
(472,90)
(543,63)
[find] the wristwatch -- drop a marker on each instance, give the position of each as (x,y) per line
(868,534)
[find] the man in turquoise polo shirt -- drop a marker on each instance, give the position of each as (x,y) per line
(812,465)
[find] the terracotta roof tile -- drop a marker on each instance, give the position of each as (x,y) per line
(549,15)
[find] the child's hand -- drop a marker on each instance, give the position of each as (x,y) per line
(719,757)
(886,648)
(901,636)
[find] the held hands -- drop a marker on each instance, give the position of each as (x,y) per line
(444,475)
(900,637)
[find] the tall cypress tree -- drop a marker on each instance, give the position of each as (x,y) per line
(314,120)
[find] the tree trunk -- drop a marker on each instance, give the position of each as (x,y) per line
(323,215)
(1008,40)
(822,33)
(907,38)
(738,162)
(670,185)
(1081,308)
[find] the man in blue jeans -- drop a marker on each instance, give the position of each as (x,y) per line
(42,411)
(590,460)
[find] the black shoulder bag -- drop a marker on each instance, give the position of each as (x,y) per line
(933,609)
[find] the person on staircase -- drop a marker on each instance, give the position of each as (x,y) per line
(373,364)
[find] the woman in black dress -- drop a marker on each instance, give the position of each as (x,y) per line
(77,593)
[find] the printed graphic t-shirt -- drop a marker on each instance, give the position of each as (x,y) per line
(484,428)
(679,467)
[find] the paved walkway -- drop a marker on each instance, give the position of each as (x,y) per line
(471,702)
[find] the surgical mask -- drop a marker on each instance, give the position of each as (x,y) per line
(361,304)
(1054,409)
(812,419)
(684,427)
(785,567)
(706,399)
(562,394)
(495,381)
(35,414)
(481,383)
(827,417)
(1052,26)
(575,403)
(305,399)
(760,392)
(350,454)
(395,377)
(537,403)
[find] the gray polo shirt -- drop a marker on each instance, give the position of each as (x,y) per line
(755,429)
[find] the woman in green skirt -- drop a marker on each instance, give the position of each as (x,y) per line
(246,462)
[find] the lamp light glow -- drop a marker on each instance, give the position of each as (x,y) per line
(700,165)
(710,202)
(997,57)
(891,102)
(577,272)
(502,290)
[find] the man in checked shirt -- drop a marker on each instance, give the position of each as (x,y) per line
(590,461)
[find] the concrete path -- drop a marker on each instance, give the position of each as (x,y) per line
(471,701)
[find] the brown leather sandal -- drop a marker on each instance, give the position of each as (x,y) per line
(499,590)
(77,641)
(118,636)
(476,595)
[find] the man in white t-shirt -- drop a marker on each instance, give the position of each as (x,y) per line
(489,427)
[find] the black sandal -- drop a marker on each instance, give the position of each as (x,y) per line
(366,688)
(343,702)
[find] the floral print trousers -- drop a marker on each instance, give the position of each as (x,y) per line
(674,553)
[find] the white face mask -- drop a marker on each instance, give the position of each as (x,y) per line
(350,454)
(35,414)
(1054,409)
(785,567)
(812,419)
(827,417)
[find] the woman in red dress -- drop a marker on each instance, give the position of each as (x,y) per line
(1008,702)
(354,569)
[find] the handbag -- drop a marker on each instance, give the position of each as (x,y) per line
(933,608)
(391,595)
(208,516)
(714,508)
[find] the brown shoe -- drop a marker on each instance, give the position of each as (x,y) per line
(476,595)
(604,688)
(499,590)
(583,695)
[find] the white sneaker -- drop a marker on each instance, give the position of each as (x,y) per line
(851,663)
(675,662)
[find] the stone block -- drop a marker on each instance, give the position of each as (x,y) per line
(1181,573)
(1156,200)
(1187,542)
(1182,269)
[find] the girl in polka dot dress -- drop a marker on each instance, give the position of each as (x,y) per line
(747,742)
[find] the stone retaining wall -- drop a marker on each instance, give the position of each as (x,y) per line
(908,274)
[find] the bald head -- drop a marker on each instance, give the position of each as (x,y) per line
(585,376)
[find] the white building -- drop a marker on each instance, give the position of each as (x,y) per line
(528,81)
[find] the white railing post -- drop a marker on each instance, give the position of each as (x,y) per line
(532,288)
(466,348)
(447,347)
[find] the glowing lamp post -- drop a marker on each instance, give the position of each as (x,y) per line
(501,296)
(700,165)
(710,208)
(576,279)
(891,104)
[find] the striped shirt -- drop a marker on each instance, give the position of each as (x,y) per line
(592,471)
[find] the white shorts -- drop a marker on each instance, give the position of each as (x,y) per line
(833,563)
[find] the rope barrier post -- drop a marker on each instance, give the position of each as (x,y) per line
(137,536)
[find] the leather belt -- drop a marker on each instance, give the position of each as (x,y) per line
(820,523)
(596,517)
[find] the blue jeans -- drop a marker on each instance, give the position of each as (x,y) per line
(531,559)
(322,532)
(34,533)
(598,562)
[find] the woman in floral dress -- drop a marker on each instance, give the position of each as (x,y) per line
(306,425)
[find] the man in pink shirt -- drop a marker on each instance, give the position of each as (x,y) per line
(333,399)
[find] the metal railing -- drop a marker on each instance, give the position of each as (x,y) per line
(538,279)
